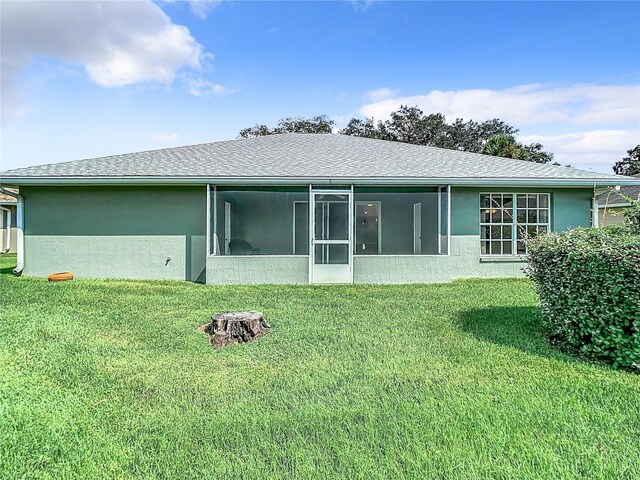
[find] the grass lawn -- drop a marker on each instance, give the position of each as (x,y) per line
(111,379)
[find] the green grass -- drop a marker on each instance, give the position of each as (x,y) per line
(111,379)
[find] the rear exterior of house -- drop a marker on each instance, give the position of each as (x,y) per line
(296,208)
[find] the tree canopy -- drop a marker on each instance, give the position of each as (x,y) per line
(411,125)
(317,124)
(629,165)
(501,145)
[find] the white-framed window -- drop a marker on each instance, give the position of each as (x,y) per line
(507,220)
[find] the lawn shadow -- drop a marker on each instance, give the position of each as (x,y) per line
(517,327)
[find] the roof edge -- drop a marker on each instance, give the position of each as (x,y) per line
(498,181)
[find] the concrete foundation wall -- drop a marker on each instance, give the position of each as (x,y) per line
(258,269)
(464,262)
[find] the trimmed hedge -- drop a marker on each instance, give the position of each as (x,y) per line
(588,280)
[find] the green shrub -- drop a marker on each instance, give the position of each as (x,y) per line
(632,215)
(588,281)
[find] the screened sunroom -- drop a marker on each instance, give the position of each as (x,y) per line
(328,226)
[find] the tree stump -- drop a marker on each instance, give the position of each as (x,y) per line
(235,327)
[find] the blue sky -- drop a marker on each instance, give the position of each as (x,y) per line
(88,79)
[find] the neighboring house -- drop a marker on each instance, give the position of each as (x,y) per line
(7,223)
(611,204)
(296,208)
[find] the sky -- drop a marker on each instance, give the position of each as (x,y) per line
(87,79)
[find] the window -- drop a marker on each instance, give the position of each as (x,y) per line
(400,220)
(507,220)
(260,221)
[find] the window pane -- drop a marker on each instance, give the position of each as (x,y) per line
(484,248)
(496,248)
(485,216)
(522,201)
(543,215)
(331,217)
(485,231)
(507,201)
(507,216)
(506,248)
(484,201)
(542,229)
(521,215)
(496,215)
(507,231)
(496,200)
(260,222)
(533,201)
(331,254)
(531,232)
(521,250)
(532,216)
(408,221)
(495,232)
(544,200)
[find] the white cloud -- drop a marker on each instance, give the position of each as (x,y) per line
(595,149)
(166,137)
(525,104)
(379,94)
(612,113)
(200,87)
(202,8)
(117,43)
(361,5)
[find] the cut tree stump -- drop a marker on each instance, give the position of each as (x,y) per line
(235,327)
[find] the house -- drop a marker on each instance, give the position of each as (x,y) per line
(295,208)
(612,203)
(7,223)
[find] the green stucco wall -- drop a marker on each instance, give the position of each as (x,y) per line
(159,233)
(115,232)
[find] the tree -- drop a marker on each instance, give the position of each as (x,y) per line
(534,153)
(503,146)
(317,124)
(411,125)
(629,165)
(360,128)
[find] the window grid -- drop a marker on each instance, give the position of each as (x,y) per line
(507,220)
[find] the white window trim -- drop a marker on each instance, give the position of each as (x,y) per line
(514,224)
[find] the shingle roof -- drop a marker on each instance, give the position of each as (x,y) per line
(298,155)
(608,199)
(6,199)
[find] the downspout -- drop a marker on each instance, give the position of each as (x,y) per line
(8,239)
(19,230)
